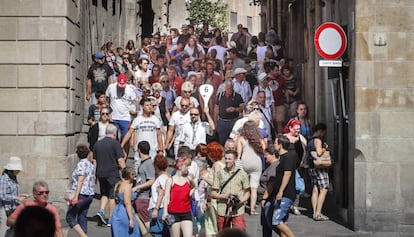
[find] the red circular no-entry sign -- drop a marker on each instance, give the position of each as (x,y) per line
(330,40)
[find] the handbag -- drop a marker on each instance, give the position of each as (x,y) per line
(300,183)
(323,161)
(69,194)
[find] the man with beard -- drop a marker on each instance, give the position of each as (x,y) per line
(122,101)
(99,77)
(177,121)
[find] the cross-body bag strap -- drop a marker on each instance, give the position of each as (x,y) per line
(228,180)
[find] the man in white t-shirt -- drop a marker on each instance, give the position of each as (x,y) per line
(195,132)
(122,101)
(177,121)
(145,127)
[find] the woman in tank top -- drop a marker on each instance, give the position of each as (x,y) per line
(177,200)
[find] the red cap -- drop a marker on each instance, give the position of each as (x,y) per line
(122,80)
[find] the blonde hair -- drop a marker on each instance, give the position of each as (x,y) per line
(187,86)
(157,86)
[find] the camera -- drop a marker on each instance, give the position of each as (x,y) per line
(233,200)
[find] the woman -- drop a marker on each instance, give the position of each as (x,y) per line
(227,70)
(215,155)
(155,74)
(193,49)
(303,117)
(156,207)
(167,92)
(9,187)
(124,222)
(250,146)
(161,108)
(298,144)
(83,187)
(319,176)
(177,200)
(130,47)
(186,91)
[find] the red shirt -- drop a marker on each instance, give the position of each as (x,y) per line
(278,87)
(180,198)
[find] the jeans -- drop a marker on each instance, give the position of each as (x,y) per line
(77,214)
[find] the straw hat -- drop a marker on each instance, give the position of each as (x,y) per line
(15,163)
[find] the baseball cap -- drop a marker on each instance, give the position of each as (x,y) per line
(122,80)
(99,56)
(239,70)
(184,26)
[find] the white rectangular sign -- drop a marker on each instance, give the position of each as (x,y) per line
(330,63)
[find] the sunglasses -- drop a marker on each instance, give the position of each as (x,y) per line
(187,91)
(193,114)
(104,113)
(42,192)
(165,81)
(184,105)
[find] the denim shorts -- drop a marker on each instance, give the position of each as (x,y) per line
(281,211)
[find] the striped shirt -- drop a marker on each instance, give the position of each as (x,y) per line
(236,186)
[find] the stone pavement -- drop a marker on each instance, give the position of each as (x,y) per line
(301,225)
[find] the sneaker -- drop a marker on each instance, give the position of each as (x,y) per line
(295,211)
(101,220)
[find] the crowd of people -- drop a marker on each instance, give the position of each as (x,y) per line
(248,144)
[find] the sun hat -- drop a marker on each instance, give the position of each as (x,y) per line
(15,163)
(239,70)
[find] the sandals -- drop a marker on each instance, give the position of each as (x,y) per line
(320,217)
(295,210)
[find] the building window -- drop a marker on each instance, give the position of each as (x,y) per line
(250,24)
(233,21)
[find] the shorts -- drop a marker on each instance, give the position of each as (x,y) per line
(238,222)
(187,216)
(255,179)
(141,208)
(319,178)
(281,211)
(107,185)
(280,113)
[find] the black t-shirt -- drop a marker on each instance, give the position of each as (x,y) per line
(99,74)
(205,39)
(225,102)
(287,162)
(106,152)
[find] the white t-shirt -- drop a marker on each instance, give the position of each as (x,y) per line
(160,181)
(190,51)
(121,106)
(178,120)
(221,52)
(243,89)
(102,130)
(146,130)
(194,134)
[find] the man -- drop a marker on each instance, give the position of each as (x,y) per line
(195,132)
(228,209)
(240,38)
(221,51)
(99,77)
(157,44)
(94,109)
(109,158)
(278,86)
(237,61)
(145,127)
(40,196)
(205,37)
(177,121)
(122,100)
(145,178)
(281,188)
(185,35)
(265,114)
(175,81)
(229,105)
(240,85)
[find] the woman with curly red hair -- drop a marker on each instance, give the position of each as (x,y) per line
(250,146)
(215,153)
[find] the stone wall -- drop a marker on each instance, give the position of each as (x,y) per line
(384,98)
